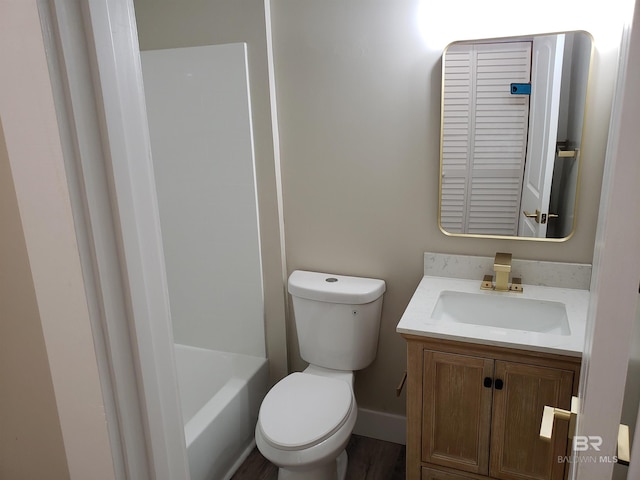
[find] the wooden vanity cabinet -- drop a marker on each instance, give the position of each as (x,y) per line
(474,411)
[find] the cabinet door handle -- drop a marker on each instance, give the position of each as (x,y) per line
(624,447)
(551,413)
(499,384)
(488,381)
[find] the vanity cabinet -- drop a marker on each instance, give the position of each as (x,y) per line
(474,411)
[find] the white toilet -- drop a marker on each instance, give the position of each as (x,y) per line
(306,419)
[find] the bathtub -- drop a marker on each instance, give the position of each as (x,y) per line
(220,395)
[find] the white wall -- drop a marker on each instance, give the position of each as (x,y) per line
(29,424)
(614,284)
(358,95)
(359,112)
(169,24)
(48,338)
(631,402)
(202,145)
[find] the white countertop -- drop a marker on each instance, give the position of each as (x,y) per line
(417,320)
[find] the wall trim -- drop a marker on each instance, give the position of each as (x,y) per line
(385,426)
(99,84)
(111,28)
(616,264)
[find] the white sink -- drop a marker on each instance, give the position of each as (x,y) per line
(502,311)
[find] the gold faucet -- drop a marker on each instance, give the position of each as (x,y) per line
(502,269)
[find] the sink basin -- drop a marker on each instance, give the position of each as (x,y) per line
(502,311)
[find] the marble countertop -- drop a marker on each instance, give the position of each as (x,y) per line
(417,318)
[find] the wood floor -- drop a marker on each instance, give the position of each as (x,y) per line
(369,459)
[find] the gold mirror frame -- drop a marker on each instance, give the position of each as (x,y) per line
(578,150)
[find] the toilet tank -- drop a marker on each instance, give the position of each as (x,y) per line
(337,318)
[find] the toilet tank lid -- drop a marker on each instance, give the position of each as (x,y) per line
(327,287)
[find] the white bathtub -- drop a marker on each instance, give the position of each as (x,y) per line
(220,394)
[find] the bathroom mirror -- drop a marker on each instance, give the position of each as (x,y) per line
(512,116)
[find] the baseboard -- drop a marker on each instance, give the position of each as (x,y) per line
(382,426)
(243,456)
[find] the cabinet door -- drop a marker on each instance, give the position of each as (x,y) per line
(517,452)
(456,411)
(432,474)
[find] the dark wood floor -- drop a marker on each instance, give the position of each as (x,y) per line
(369,459)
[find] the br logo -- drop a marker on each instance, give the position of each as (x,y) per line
(582,443)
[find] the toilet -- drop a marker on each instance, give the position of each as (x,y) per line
(306,419)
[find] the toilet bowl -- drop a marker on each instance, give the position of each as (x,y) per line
(306,419)
(304,425)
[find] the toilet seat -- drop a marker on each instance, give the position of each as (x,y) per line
(303,410)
